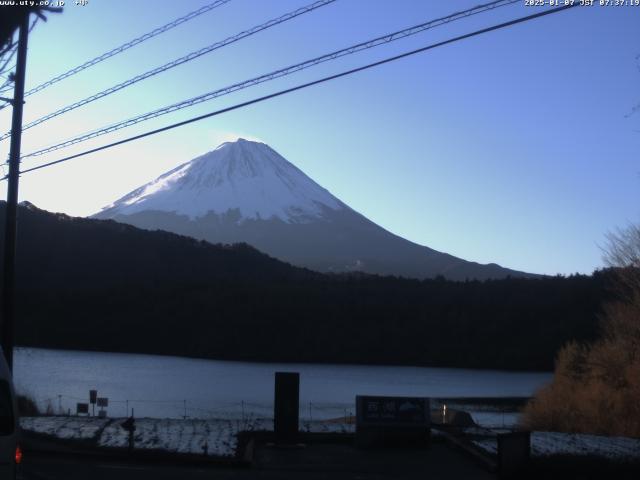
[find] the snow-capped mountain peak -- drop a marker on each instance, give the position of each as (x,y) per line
(243,175)
(245,191)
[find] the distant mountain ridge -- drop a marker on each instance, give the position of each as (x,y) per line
(245,191)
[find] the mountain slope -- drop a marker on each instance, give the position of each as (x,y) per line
(246,192)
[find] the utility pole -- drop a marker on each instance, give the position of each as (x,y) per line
(11,211)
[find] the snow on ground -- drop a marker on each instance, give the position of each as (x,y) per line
(81,428)
(616,448)
(219,436)
(544,444)
(215,437)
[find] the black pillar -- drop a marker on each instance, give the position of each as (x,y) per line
(286,406)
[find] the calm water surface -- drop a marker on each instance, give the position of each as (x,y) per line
(161,386)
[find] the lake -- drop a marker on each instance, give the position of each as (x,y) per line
(173,387)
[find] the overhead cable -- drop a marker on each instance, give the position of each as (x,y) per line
(273,75)
(305,85)
(128,45)
(179,61)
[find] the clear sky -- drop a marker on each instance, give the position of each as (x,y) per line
(515,147)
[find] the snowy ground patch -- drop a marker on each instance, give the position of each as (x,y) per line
(211,437)
(81,428)
(614,448)
(546,444)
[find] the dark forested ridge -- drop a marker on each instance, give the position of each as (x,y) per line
(100,285)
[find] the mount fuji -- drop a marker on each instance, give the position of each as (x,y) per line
(244,191)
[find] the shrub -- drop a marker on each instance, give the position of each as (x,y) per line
(596,387)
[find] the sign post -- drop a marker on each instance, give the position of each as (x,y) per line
(103,403)
(93,397)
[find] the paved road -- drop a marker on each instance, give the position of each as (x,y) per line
(318,462)
(66,467)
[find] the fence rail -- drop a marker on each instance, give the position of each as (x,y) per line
(63,404)
(499,414)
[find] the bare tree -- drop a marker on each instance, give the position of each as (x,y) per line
(622,253)
(10,18)
(623,247)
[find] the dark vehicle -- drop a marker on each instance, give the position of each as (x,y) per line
(10,453)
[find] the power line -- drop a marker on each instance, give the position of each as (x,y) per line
(128,45)
(275,74)
(179,61)
(306,85)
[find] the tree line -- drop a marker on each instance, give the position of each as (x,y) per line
(100,285)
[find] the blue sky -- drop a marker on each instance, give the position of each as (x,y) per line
(514,147)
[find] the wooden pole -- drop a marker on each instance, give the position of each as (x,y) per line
(11,210)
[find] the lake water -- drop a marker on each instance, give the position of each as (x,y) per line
(171,387)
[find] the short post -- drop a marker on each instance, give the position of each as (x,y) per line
(130,426)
